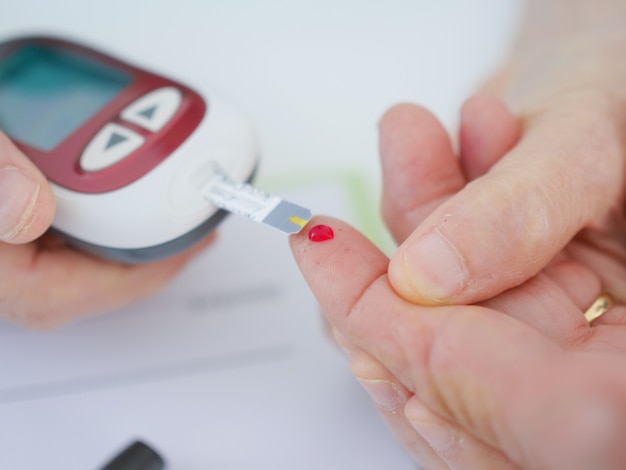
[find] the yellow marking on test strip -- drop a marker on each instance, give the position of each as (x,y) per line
(297,220)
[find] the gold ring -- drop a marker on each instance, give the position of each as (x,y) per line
(599,307)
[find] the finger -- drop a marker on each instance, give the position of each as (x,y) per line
(505,226)
(325,261)
(70,284)
(390,398)
(583,286)
(609,267)
(541,303)
(419,167)
(616,316)
(27,204)
(488,131)
(375,381)
(432,441)
(470,365)
(456,447)
(579,283)
(566,289)
(340,340)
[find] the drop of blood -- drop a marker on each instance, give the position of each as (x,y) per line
(321,233)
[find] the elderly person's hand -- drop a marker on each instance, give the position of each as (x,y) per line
(43,282)
(527,192)
(526,227)
(520,381)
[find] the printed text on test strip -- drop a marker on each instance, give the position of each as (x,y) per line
(246,200)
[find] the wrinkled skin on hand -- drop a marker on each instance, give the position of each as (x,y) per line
(518,379)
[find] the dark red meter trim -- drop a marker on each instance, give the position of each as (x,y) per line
(61,164)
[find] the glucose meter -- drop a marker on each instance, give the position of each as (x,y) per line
(127,151)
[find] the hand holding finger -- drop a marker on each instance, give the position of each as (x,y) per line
(390,398)
(419,167)
(470,365)
(483,229)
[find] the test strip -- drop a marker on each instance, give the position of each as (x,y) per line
(248,201)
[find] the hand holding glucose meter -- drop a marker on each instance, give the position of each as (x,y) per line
(127,151)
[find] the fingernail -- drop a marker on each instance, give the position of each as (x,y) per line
(429,426)
(384,394)
(433,267)
(18,193)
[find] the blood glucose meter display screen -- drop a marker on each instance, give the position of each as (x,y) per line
(46,94)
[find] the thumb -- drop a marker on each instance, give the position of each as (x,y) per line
(27,204)
(505,226)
